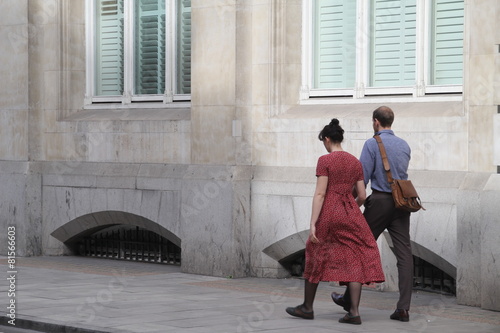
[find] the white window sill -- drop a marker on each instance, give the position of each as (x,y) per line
(382,99)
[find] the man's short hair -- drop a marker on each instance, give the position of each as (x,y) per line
(384,115)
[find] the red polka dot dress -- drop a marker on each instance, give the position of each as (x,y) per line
(347,250)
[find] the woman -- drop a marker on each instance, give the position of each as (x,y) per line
(341,246)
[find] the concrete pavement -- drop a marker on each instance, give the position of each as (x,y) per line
(78,294)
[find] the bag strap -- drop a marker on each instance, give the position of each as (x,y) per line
(387,168)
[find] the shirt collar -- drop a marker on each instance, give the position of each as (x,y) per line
(388,131)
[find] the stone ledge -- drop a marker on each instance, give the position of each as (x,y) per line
(355,108)
(127,114)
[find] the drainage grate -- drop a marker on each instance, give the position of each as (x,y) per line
(135,244)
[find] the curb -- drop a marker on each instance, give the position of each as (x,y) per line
(47,327)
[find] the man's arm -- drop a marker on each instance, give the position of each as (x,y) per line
(367,160)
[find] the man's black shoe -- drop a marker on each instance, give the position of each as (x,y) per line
(401,315)
(340,301)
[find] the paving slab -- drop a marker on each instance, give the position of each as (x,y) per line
(80,294)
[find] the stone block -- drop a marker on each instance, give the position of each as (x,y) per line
(490,251)
(496,139)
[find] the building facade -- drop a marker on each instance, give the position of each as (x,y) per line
(218,155)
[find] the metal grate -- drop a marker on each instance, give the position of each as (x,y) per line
(428,277)
(135,244)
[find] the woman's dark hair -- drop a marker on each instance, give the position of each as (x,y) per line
(332,131)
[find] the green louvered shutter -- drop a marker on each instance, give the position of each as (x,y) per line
(109,48)
(393,43)
(335,44)
(184,47)
(150,47)
(447,42)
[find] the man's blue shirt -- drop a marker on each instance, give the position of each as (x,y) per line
(398,154)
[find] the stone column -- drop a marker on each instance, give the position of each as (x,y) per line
(478,222)
(20,205)
(215,210)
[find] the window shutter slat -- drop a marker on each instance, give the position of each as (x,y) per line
(109,48)
(184,47)
(150,47)
(393,43)
(447,44)
(335,38)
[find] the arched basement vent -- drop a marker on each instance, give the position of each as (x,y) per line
(428,277)
(125,242)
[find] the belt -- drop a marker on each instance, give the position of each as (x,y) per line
(377,191)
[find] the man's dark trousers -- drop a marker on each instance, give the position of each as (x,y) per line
(381,214)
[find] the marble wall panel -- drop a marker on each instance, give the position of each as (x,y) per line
(64,204)
(13,134)
(208,228)
(496,139)
(436,230)
(45,49)
(12,210)
(261,29)
(261,85)
(481,89)
(469,240)
(14,70)
(389,264)
(14,13)
(212,141)
(213,54)
(438,151)
(439,145)
(490,251)
(51,214)
(483,24)
(74,53)
(496,82)
(292,13)
(279,210)
(481,139)
(169,211)
(152,147)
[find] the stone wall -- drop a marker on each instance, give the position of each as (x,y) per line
(232,174)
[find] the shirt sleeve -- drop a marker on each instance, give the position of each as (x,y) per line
(367,161)
(322,167)
(359,171)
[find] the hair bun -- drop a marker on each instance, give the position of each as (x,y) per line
(334,122)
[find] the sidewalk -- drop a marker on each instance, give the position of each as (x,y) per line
(77,294)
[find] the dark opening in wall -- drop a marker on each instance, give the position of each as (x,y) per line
(295,263)
(124,242)
(428,277)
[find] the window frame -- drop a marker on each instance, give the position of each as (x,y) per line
(129,100)
(361,89)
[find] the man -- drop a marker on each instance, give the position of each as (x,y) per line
(380,212)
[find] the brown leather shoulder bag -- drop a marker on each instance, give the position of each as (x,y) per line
(403,192)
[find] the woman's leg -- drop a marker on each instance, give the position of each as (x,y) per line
(309,294)
(355,294)
(305,310)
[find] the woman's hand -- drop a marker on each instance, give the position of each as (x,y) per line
(312,235)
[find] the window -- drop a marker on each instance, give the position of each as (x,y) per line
(138,51)
(383,47)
